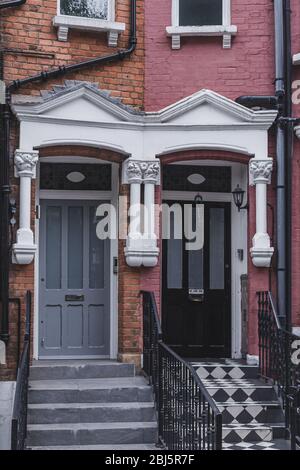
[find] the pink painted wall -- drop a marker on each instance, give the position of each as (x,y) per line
(246,68)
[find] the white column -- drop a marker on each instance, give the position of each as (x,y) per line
(141,248)
(24,248)
(260,176)
(135,211)
(134,177)
(149,219)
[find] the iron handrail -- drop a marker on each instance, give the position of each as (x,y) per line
(19,417)
(188,417)
(275,362)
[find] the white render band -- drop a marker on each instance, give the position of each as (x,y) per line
(260,175)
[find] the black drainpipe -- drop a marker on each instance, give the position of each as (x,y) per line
(5,151)
(289,156)
(11,3)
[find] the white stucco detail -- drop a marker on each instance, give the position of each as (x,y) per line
(141,248)
(25,168)
(80,114)
(260,176)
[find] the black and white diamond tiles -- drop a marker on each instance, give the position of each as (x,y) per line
(246,433)
(225,371)
(239,390)
(251,446)
(251,413)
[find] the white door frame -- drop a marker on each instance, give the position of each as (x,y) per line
(239,239)
(111,196)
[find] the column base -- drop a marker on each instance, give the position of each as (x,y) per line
(23,254)
(262,257)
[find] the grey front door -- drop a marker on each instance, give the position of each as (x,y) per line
(74,314)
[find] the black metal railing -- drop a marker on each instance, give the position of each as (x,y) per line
(188,418)
(279,361)
(19,418)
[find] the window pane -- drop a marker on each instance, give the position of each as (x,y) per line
(75,176)
(96,269)
(216,248)
(196,269)
(196,258)
(200,12)
(85,8)
(75,248)
(174,258)
(53,248)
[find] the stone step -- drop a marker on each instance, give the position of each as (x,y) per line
(124,447)
(232,433)
(255,412)
(133,389)
(55,370)
(91,434)
(225,371)
(90,412)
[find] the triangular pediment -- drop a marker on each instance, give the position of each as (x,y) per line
(209,108)
(81,101)
(84,102)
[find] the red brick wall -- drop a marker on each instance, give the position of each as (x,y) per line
(31,45)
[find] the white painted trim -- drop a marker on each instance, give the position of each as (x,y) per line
(226,29)
(110,26)
(239,240)
(79,195)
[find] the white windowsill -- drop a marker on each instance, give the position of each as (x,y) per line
(64,23)
(219,30)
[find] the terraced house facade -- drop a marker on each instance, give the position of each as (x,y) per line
(150,180)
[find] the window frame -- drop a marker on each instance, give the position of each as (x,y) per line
(225,29)
(109,25)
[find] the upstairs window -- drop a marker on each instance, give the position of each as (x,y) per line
(85,8)
(201,18)
(200,12)
(88,15)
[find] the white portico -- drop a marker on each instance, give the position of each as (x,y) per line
(78,113)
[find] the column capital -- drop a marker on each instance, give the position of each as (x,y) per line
(260,171)
(25,163)
(140,171)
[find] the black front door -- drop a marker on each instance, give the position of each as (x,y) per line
(196,308)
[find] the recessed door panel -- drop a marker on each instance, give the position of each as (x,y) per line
(52,338)
(74,281)
(96,323)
